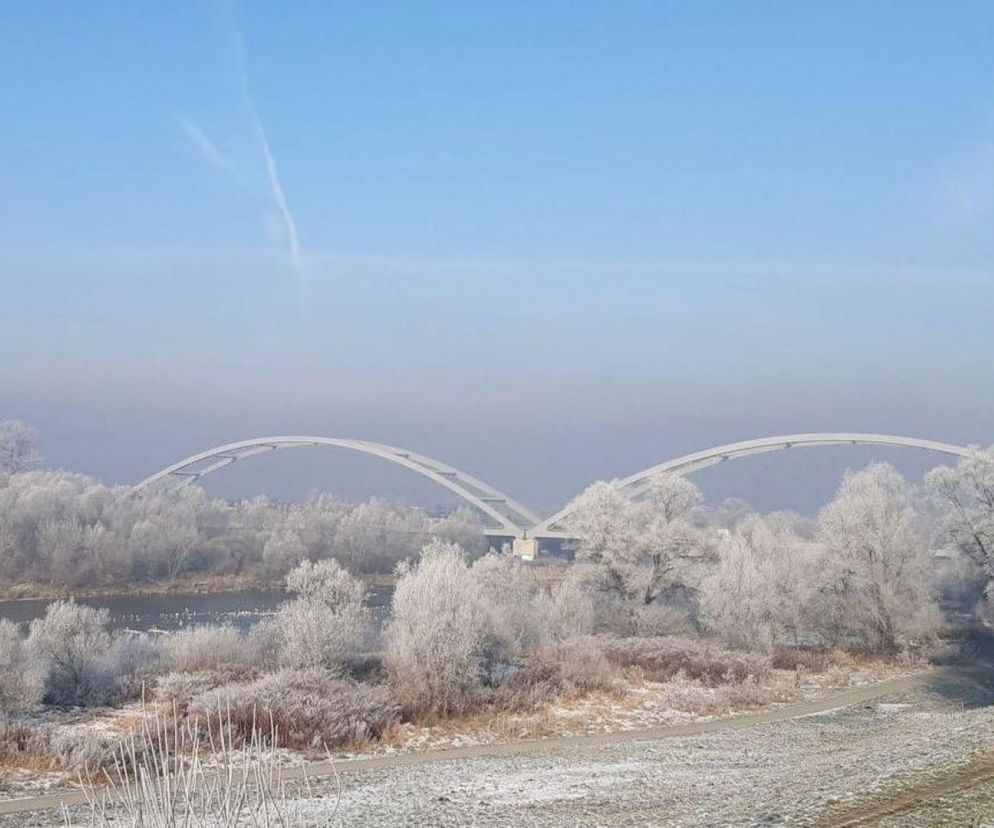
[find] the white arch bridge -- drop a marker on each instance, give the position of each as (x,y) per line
(507,517)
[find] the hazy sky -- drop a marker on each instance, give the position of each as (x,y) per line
(545,242)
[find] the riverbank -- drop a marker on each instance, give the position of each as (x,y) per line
(197,585)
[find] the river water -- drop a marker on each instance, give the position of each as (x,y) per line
(175,611)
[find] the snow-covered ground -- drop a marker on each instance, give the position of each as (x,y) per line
(800,771)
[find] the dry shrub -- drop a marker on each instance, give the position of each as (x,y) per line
(571,668)
(23,745)
(50,747)
(693,697)
(655,620)
(662,658)
(842,658)
(627,619)
(177,690)
(81,750)
(207,647)
(138,662)
(789,658)
(306,708)
(367,668)
(21,679)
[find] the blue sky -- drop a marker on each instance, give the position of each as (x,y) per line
(545,241)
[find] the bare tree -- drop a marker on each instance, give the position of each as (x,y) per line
(462,526)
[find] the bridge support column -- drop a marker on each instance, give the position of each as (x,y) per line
(525,548)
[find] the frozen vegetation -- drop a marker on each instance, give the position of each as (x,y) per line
(707,604)
(65,530)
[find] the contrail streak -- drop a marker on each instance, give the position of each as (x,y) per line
(276,187)
(272,173)
(206,146)
(218,159)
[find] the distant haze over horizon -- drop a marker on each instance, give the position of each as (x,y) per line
(543,259)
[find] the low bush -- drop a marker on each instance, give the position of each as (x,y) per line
(570,668)
(628,619)
(207,647)
(662,658)
(21,680)
(72,645)
(48,747)
(307,709)
(326,624)
(25,745)
(265,643)
(177,690)
(788,658)
(693,697)
(367,668)
(138,662)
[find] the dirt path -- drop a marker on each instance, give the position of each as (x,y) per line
(976,773)
(834,701)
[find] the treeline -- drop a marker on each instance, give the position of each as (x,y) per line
(71,531)
(866,574)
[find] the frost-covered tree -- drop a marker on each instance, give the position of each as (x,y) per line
(375,536)
(524,613)
(60,542)
(758,592)
(875,583)
(73,646)
(462,526)
(282,551)
(21,680)
(642,547)
(437,631)
(965,494)
(734,595)
(18,448)
(327,621)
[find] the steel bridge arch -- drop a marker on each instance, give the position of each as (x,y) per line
(512,521)
(638,482)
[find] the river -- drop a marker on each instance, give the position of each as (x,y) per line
(177,610)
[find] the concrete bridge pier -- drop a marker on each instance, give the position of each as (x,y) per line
(525,548)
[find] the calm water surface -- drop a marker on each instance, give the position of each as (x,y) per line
(178,610)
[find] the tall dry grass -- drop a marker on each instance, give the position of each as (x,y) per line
(167,774)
